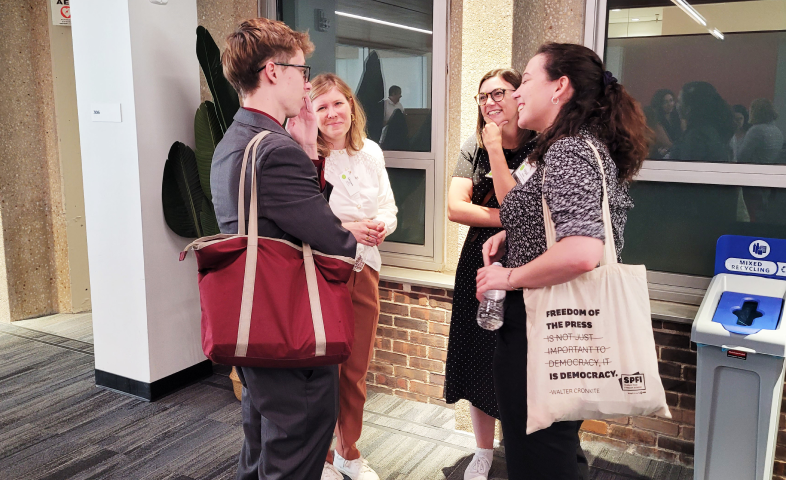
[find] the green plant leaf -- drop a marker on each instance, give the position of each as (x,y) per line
(181,193)
(207,134)
(224,95)
(208,218)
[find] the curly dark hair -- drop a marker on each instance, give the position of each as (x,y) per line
(607,110)
(702,105)
(657,105)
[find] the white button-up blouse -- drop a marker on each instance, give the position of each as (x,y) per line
(373,199)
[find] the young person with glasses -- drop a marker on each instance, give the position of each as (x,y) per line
(569,99)
(472,201)
(288,413)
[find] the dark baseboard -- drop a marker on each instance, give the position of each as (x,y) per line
(158,389)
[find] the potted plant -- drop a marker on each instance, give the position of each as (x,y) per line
(185,189)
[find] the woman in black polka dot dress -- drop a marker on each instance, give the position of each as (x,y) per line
(472,202)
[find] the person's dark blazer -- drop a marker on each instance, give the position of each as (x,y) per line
(290,204)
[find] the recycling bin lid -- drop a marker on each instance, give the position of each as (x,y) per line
(746,314)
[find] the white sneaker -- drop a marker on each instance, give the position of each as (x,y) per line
(354,469)
(479,467)
(329,472)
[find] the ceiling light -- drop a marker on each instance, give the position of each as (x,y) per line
(382,22)
(717,33)
(634,19)
(616,10)
(692,13)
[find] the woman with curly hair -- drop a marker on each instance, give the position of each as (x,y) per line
(592,138)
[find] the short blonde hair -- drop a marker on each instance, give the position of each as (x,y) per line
(762,111)
(356,135)
(253,43)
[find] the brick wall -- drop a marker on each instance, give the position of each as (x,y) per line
(670,440)
(409,361)
(412,341)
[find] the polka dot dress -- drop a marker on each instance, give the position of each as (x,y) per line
(468,373)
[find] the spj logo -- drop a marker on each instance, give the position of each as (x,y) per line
(759,248)
(632,382)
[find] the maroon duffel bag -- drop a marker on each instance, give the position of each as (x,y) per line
(267,302)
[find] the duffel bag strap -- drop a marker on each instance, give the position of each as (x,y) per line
(249,279)
(313,298)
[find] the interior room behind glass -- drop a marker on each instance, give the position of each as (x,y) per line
(711,78)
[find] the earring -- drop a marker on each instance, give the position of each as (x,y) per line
(351,117)
(555,100)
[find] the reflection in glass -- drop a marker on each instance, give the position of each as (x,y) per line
(709,125)
(383,50)
(409,189)
(698,87)
(763,141)
(664,121)
(674,226)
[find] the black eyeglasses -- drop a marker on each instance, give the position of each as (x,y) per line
(497,95)
(306,70)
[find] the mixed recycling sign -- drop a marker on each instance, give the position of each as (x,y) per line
(740,255)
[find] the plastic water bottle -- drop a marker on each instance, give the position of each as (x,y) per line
(491,311)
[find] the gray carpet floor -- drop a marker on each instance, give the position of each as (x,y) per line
(55,424)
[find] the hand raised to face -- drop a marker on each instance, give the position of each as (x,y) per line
(492,135)
(303,127)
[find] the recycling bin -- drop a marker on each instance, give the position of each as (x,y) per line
(741,340)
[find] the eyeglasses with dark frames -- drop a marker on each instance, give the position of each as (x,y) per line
(497,95)
(306,69)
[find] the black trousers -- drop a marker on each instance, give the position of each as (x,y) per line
(288,419)
(553,453)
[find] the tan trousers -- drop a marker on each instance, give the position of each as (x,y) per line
(364,289)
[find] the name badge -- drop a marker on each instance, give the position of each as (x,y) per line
(488,175)
(350,182)
(524,172)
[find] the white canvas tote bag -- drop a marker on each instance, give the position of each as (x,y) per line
(591,352)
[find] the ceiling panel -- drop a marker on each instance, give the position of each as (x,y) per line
(413,13)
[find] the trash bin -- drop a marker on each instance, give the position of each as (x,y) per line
(741,340)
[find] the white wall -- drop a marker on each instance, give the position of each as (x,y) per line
(166,90)
(145,303)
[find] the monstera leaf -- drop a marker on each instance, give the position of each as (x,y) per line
(188,207)
(181,192)
(224,96)
(207,134)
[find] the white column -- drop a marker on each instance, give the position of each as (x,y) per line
(140,56)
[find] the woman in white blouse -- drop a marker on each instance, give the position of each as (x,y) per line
(363,200)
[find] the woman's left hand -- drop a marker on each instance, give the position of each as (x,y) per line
(492,277)
(492,135)
(382,232)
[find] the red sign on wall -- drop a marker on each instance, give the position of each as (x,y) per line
(61,13)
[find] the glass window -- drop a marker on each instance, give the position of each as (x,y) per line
(711,76)
(383,50)
(409,188)
(674,226)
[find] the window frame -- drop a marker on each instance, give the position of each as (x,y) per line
(403,251)
(673,287)
(431,255)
